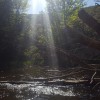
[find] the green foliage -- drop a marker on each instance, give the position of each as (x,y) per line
(11,27)
(64,12)
(19,6)
(42,39)
(33,56)
(22,41)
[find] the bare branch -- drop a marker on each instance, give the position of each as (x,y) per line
(92,78)
(96,85)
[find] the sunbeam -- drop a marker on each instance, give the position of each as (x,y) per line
(52,52)
(49,50)
(41,4)
(37,6)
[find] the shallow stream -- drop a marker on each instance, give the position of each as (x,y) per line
(19,85)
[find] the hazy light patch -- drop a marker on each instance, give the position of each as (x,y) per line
(90,2)
(36,6)
(51,44)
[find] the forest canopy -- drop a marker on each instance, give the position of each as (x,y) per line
(39,39)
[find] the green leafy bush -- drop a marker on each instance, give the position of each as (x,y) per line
(33,56)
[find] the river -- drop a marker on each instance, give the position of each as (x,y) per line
(19,84)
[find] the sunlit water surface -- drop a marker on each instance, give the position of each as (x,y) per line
(38,90)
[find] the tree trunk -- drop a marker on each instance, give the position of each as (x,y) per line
(89,20)
(79,36)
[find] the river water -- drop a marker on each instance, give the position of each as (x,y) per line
(20,85)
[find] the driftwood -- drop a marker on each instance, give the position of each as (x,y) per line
(56,82)
(64,82)
(92,78)
(89,20)
(60,82)
(67,82)
(96,85)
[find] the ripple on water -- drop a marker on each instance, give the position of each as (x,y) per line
(23,90)
(41,91)
(52,90)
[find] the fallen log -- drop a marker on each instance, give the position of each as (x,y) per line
(16,82)
(60,82)
(57,77)
(54,82)
(67,82)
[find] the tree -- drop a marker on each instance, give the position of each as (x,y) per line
(63,13)
(11,27)
(64,16)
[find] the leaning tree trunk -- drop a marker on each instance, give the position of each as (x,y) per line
(89,20)
(79,36)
